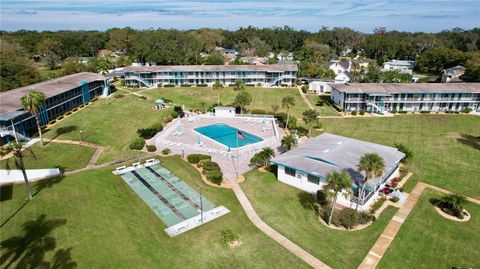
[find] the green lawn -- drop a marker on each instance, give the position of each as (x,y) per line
(427,240)
(68,157)
(197,98)
(324,110)
(441,157)
(112,125)
(289,211)
(99,222)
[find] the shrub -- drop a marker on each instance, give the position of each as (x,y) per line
(322,198)
(301,131)
(75,109)
(202,85)
(257,111)
(229,236)
(425,112)
(146,133)
(195,158)
(259,84)
(362,112)
(449,111)
(137,144)
(305,88)
(174,114)
(282,119)
(158,127)
(68,113)
(347,218)
(151,148)
(168,119)
(402,148)
(186,85)
(394,111)
(402,112)
(168,85)
(395,199)
(467,110)
(377,205)
(214,176)
(354,113)
(60,117)
(166,151)
(250,85)
(209,166)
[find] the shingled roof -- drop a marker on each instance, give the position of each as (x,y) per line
(192,68)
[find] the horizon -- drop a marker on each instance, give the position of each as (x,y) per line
(425,16)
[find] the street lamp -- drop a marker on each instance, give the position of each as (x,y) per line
(81,135)
(201,203)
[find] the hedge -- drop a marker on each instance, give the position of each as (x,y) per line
(137,144)
(166,151)
(215,176)
(186,85)
(354,113)
(168,86)
(202,85)
(425,111)
(195,158)
(258,111)
(151,148)
(402,112)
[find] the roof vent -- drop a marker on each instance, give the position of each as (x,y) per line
(340,142)
(325,151)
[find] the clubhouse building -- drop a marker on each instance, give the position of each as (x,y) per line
(193,75)
(62,95)
(307,166)
(412,97)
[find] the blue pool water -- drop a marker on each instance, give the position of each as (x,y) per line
(227,135)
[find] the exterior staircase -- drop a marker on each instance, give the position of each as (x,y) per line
(144,82)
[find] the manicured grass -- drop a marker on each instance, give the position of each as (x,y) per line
(52,155)
(428,240)
(441,158)
(102,223)
(197,98)
(113,125)
(324,110)
(289,211)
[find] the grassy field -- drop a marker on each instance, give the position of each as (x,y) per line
(427,240)
(445,154)
(113,125)
(289,211)
(199,98)
(324,110)
(68,157)
(95,220)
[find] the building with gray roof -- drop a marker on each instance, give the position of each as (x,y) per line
(62,94)
(306,166)
(413,97)
(178,75)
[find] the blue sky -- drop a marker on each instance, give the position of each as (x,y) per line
(364,15)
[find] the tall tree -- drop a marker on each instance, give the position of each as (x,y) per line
(288,102)
(239,85)
(310,117)
(337,182)
(371,164)
(32,102)
(242,100)
(17,157)
(289,141)
(50,49)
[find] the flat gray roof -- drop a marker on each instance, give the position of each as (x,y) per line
(328,152)
(10,100)
(391,88)
(192,68)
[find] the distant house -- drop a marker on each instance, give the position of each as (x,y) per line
(453,74)
(230,54)
(254,60)
(83,60)
(401,66)
(306,167)
(105,53)
(285,56)
(341,70)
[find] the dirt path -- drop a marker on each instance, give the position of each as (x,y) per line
(270,232)
(305,99)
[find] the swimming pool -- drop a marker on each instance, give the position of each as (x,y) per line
(227,135)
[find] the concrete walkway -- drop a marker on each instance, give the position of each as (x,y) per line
(270,232)
(383,242)
(305,99)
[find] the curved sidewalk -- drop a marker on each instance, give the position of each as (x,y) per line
(270,232)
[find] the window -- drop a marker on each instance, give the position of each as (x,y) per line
(290,171)
(313,179)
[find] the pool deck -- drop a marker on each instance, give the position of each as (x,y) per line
(234,162)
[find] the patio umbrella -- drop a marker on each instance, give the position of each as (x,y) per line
(265,120)
(198,140)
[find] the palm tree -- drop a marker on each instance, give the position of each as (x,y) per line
(337,182)
(310,117)
(289,142)
(454,203)
(17,157)
(217,86)
(372,165)
(239,85)
(32,103)
(288,102)
(267,154)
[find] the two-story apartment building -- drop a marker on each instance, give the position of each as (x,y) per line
(381,97)
(400,66)
(265,75)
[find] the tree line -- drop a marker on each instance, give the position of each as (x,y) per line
(433,51)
